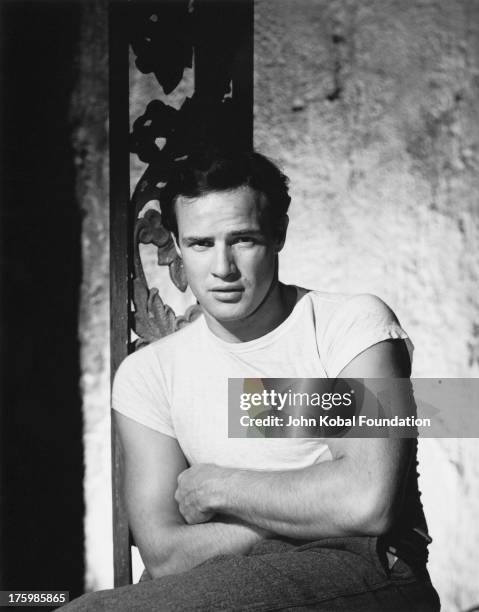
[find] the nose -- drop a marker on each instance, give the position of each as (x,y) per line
(224,264)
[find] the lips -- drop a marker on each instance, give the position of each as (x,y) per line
(227,294)
(227,289)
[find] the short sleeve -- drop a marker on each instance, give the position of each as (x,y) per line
(139,392)
(358,323)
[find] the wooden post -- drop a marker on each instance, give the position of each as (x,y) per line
(243,75)
(227,25)
(120,258)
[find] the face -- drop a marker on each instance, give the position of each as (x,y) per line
(229,259)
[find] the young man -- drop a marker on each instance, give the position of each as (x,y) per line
(265,524)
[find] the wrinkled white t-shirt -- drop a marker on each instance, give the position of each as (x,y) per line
(179,385)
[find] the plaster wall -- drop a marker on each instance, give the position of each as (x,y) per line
(89,117)
(371,109)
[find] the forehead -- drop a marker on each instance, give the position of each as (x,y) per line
(220,212)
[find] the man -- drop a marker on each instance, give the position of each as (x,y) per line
(265,524)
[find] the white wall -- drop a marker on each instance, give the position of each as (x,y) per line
(385,187)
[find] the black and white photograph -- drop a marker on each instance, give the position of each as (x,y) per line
(239,305)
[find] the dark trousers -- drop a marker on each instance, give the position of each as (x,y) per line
(329,574)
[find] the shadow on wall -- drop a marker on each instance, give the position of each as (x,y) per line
(42,461)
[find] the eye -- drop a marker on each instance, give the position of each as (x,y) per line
(201,245)
(245,240)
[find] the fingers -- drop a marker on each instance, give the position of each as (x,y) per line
(190,491)
(189,509)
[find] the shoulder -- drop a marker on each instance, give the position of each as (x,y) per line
(342,308)
(347,324)
(149,361)
(351,301)
(137,370)
(366,307)
(139,391)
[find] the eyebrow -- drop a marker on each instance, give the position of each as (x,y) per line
(249,231)
(240,232)
(194,238)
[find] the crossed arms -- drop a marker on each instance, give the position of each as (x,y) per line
(181,516)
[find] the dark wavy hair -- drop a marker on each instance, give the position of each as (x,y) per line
(215,170)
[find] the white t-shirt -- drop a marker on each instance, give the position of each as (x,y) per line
(179,384)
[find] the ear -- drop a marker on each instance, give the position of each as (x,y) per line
(281,233)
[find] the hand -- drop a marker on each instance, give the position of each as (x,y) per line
(197,487)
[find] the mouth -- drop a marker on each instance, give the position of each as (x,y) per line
(228,288)
(227,294)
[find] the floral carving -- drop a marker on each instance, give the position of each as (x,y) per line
(161,39)
(150,230)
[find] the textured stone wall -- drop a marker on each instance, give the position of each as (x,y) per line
(371,109)
(90,121)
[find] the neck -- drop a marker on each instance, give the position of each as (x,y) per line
(273,310)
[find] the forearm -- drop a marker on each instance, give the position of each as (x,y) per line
(177,548)
(310,503)
(329,499)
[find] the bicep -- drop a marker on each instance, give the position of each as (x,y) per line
(380,464)
(152,462)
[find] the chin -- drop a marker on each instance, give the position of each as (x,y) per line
(229,312)
(225,316)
